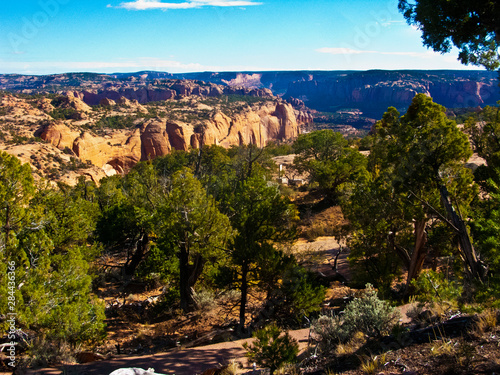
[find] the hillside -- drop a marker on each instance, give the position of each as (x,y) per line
(64,135)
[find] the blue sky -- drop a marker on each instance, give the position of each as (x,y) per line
(55,36)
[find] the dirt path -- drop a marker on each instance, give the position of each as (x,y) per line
(325,249)
(179,362)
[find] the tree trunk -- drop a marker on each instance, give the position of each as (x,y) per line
(185,289)
(418,255)
(140,251)
(473,266)
(196,270)
(244,294)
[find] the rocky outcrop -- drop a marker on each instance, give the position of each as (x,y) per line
(132,104)
(72,101)
(321,90)
(106,102)
(59,135)
(154,140)
(139,94)
(45,105)
(118,151)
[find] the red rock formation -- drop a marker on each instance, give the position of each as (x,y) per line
(119,150)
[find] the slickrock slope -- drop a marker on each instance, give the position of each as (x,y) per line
(20,121)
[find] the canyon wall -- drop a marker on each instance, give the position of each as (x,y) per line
(373,92)
(120,150)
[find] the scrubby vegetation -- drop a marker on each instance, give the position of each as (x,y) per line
(213,231)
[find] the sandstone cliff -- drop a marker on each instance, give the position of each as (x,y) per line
(119,150)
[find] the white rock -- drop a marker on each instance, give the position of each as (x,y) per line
(134,371)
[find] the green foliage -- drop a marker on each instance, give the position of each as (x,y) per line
(45,233)
(484,130)
(329,160)
(175,161)
(375,210)
(191,226)
(472,27)
(486,230)
(279,149)
(115,122)
(303,293)
(272,349)
(398,212)
(366,143)
(433,286)
(65,114)
(330,331)
(261,216)
(299,293)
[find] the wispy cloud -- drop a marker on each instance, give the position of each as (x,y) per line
(390,23)
(95,66)
(143,63)
(350,51)
(189,4)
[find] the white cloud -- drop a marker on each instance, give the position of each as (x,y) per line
(341,51)
(350,51)
(189,4)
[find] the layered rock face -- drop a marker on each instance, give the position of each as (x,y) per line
(373,92)
(165,90)
(120,150)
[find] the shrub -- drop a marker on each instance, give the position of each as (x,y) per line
(272,349)
(301,293)
(43,352)
(330,331)
(368,314)
(433,286)
(205,300)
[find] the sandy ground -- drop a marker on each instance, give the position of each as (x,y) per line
(326,249)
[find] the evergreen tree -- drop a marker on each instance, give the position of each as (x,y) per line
(44,233)
(416,164)
(191,226)
(262,217)
(329,160)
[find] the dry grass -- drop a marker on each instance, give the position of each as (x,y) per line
(42,353)
(373,364)
(442,347)
(486,322)
(352,346)
(288,369)
(232,369)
